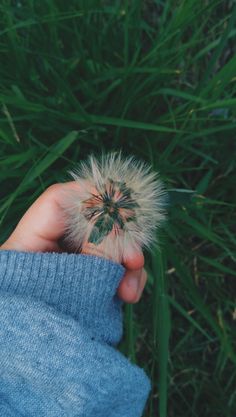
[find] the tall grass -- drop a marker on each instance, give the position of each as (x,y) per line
(158,80)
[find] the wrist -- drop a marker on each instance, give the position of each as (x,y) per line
(12,244)
(6,246)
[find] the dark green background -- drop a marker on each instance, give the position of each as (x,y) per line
(156,79)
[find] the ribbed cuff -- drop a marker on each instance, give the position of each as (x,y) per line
(82,286)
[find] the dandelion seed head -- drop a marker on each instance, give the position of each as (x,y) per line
(118,207)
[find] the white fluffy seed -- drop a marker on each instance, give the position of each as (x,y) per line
(117,209)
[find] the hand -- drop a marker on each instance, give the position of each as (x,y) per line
(43,225)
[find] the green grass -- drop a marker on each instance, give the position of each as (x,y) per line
(158,80)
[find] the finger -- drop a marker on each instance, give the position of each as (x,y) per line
(132,285)
(134,261)
(43,223)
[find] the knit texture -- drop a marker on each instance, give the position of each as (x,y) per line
(60,323)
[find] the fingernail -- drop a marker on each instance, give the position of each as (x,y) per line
(133,283)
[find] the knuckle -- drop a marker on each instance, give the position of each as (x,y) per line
(53,187)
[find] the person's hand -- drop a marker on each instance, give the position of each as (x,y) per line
(42,226)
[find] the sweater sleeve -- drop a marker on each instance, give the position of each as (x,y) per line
(60,322)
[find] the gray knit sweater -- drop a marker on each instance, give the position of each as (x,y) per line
(60,321)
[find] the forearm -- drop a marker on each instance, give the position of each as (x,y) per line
(59,318)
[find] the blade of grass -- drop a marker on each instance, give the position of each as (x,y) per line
(55,152)
(218,50)
(161,327)
(129,336)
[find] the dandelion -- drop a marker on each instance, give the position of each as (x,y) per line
(119,205)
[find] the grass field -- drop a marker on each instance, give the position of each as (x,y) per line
(156,79)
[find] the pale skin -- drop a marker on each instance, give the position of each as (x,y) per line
(43,225)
